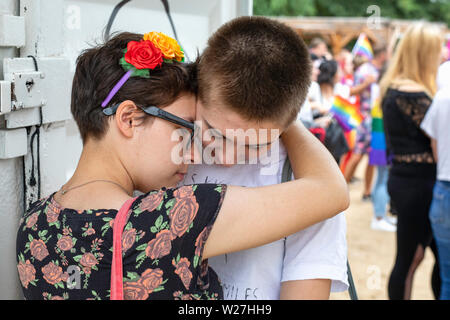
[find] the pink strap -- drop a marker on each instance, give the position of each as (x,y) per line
(117,267)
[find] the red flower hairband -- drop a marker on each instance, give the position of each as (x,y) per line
(145,55)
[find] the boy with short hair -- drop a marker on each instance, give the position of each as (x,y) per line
(255,74)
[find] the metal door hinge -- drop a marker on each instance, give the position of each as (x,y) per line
(24,91)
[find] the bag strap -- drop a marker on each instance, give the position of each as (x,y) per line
(117,267)
(286,175)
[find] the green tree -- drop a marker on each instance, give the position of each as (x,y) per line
(432,10)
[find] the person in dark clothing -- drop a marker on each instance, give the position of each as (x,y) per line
(407,89)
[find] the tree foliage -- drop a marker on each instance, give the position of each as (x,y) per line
(431,10)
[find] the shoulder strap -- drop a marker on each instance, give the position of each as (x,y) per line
(117,267)
(286,174)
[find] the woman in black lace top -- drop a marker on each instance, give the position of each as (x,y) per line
(407,89)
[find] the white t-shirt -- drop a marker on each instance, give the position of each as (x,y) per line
(437,125)
(339,89)
(318,252)
(305,113)
(314,92)
(443,76)
(342,90)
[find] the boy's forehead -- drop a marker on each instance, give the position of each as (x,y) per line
(222,117)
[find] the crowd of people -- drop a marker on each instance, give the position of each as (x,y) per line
(355,78)
(396,91)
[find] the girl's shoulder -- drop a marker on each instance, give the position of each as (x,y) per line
(202,190)
(196,197)
(408,88)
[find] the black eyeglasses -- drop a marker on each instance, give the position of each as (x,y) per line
(159,113)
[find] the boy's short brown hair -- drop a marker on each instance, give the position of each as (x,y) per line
(258,67)
(97,72)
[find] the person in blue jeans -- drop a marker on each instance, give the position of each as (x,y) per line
(380,199)
(440,223)
(436,126)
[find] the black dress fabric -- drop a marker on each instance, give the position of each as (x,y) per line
(410,184)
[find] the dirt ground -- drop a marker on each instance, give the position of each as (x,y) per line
(371,253)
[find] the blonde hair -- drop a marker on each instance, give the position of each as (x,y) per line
(416,59)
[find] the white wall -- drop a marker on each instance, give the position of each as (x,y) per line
(11,194)
(195,20)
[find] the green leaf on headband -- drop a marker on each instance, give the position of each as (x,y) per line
(144,73)
(168,60)
(125,65)
(184,55)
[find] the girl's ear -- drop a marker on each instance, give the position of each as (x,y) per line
(127,117)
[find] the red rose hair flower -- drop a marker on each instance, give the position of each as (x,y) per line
(143,55)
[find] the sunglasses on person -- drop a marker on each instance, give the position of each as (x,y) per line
(159,113)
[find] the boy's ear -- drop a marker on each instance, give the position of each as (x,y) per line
(126,117)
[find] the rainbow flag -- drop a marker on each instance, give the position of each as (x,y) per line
(363,47)
(377,154)
(346,113)
(350,136)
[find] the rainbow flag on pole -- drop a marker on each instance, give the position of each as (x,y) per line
(346,113)
(350,136)
(377,154)
(363,47)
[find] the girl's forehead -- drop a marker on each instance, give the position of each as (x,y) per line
(185,105)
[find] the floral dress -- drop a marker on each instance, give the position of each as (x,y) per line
(66,254)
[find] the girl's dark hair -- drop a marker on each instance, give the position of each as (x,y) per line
(328,69)
(98,71)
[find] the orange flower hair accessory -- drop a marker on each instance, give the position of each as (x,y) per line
(169,47)
(145,55)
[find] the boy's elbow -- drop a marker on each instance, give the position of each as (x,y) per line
(341,195)
(345,199)
(344,196)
